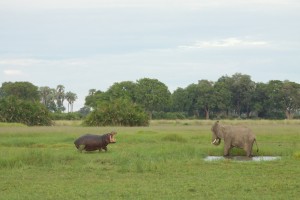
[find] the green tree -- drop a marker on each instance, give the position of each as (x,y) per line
(206,99)
(71,98)
(45,93)
(20,102)
(223,95)
(48,97)
(21,90)
(193,94)
(27,112)
(118,112)
(268,100)
(125,89)
(60,98)
(95,97)
(84,111)
(180,101)
(242,89)
(291,98)
(153,95)
(260,100)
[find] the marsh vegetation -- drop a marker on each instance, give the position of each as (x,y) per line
(162,161)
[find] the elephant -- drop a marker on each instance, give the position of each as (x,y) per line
(233,136)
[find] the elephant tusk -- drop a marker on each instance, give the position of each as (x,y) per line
(213,142)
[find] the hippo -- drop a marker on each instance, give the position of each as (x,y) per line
(90,142)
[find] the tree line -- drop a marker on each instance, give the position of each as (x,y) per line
(26,103)
(131,103)
(235,96)
(127,103)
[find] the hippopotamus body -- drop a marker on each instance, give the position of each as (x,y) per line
(90,142)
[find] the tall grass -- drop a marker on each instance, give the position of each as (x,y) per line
(189,122)
(163,161)
(2,124)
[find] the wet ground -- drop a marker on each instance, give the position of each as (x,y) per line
(243,158)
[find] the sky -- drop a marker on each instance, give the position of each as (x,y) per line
(92,44)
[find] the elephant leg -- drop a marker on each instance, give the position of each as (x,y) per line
(227,147)
(248,149)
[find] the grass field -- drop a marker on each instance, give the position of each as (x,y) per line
(162,161)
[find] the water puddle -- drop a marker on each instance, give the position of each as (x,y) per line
(243,158)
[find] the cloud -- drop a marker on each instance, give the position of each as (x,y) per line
(19,62)
(226,43)
(12,72)
(193,4)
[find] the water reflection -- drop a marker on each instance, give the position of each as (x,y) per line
(243,158)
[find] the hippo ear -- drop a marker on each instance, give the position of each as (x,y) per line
(113,132)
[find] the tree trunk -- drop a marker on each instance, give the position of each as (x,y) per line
(239,111)
(196,113)
(150,115)
(206,113)
(289,115)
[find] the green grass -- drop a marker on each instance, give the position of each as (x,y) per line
(2,124)
(163,161)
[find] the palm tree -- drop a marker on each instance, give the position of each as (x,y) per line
(60,97)
(48,97)
(92,92)
(45,92)
(71,98)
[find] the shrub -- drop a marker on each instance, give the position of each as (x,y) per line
(119,112)
(297,155)
(66,116)
(22,111)
(169,115)
(174,138)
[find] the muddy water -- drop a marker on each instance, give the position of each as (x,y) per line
(243,158)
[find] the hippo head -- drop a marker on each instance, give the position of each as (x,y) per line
(111,138)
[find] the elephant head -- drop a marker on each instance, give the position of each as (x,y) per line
(216,134)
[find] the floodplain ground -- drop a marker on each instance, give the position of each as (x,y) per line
(162,161)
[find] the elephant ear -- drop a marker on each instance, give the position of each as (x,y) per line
(214,127)
(222,131)
(222,128)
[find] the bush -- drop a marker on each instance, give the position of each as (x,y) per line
(66,116)
(169,115)
(26,112)
(174,138)
(120,112)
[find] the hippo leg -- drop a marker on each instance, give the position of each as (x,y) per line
(81,148)
(105,148)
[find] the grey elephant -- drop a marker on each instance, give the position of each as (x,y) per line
(233,136)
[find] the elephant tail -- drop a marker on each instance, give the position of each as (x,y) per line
(256,145)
